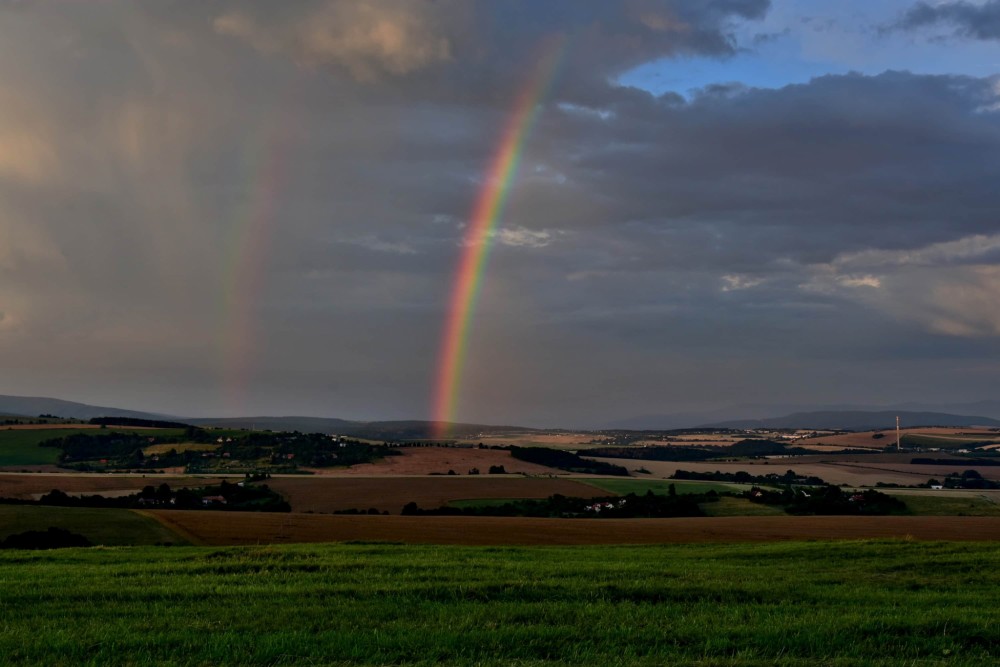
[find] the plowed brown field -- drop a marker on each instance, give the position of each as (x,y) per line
(27,486)
(427,460)
(230,528)
(328,494)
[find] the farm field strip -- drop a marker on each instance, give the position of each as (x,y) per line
(640,486)
(113,527)
(329,494)
(438,461)
(27,486)
(831,471)
(232,528)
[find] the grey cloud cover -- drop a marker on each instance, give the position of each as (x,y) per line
(180,180)
(976,20)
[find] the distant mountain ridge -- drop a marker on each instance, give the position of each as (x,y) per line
(859,420)
(757,412)
(836,418)
(32,406)
(374,430)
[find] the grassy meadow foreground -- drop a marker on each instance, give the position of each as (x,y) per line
(834,603)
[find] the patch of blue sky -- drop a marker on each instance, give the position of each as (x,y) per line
(802,39)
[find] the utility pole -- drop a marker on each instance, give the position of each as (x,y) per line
(897,433)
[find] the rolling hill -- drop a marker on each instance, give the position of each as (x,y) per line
(858,420)
(32,406)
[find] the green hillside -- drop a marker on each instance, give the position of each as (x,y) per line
(112,527)
(19,447)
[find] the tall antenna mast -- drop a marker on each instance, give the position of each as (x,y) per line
(897,433)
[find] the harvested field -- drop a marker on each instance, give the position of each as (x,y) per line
(229,528)
(846,472)
(864,439)
(428,460)
(28,486)
(553,440)
(324,494)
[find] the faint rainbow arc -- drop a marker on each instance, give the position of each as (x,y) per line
(264,164)
(478,239)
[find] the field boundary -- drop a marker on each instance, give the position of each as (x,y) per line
(232,528)
(177,530)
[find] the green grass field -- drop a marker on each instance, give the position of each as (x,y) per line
(948,441)
(936,505)
(112,527)
(820,603)
(662,486)
(19,447)
(740,507)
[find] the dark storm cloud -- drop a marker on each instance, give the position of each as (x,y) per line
(320,160)
(979,21)
(837,164)
(478,52)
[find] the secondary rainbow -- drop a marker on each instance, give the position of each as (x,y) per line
(479,237)
(264,168)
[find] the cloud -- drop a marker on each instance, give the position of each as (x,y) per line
(522,237)
(316,174)
(733,283)
(860,281)
(374,40)
(378,245)
(978,21)
(962,250)
(368,38)
(947,288)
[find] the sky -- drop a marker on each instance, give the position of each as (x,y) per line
(244,208)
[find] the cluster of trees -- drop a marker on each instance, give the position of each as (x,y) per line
(124,449)
(53,538)
(828,500)
(318,450)
(748,448)
(132,421)
(656,453)
(633,505)
(238,497)
(741,477)
(42,419)
(968,479)
(286,452)
(556,458)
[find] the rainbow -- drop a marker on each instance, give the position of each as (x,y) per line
(263,166)
(478,239)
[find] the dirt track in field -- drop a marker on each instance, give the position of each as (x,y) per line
(231,528)
(328,494)
(28,486)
